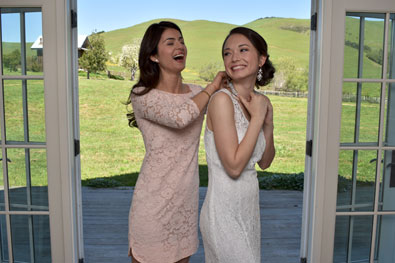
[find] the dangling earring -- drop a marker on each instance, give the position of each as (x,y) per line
(259,75)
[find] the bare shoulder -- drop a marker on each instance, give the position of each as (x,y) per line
(220,103)
(263,95)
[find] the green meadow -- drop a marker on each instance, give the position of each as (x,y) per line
(112,150)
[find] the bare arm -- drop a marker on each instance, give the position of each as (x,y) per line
(234,156)
(172,115)
(268,155)
(202,98)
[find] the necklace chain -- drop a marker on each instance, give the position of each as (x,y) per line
(232,89)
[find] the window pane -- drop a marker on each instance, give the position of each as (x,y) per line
(2,204)
(34,43)
(360,113)
(391,48)
(352,238)
(36,110)
(13,107)
(363,52)
(387,189)
(385,239)
(389,120)
(14,112)
(356,181)
(28,229)
(11,42)
(3,239)
(27,177)
(39,179)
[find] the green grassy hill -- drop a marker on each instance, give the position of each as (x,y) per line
(204,39)
(8,47)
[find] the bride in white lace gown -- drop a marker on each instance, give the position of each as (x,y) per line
(239,134)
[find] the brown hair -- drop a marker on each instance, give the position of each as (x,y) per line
(260,44)
(149,70)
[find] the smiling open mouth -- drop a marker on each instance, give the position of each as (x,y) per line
(179,57)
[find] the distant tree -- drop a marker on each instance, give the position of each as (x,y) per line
(129,57)
(290,77)
(94,59)
(12,60)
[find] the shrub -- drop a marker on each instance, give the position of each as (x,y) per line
(289,77)
(282,182)
(210,70)
(33,64)
(117,77)
(12,60)
(375,55)
(102,183)
(298,29)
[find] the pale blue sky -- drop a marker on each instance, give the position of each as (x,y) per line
(110,15)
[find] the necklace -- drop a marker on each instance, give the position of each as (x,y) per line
(232,89)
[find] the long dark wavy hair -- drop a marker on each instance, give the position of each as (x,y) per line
(260,44)
(149,70)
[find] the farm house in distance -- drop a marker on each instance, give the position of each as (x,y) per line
(83,44)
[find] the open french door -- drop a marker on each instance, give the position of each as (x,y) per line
(349,199)
(40,207)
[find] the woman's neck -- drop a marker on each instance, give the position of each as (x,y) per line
(171,83)
(244,88)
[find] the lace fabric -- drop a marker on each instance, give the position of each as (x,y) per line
(230,215)
(164,210)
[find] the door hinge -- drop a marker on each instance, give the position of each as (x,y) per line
(309,148)
(303,260)
(81,260)
(313,22)
(76,147)
(73,19)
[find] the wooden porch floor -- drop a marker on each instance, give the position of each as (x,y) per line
(105,217)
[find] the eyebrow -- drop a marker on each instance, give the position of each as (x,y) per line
(172,38)
(241,45)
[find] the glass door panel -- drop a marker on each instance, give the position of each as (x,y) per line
(356,182)
(352,239)
(366,173)
(25,236)
(30,238)
(363,51)
(360,113)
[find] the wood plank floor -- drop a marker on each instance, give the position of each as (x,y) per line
(105,217)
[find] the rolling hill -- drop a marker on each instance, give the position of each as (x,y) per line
(204,38)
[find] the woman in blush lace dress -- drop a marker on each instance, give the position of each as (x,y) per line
(164,211)
(239,134)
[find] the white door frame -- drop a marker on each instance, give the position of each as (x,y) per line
(59,70)
(320,214)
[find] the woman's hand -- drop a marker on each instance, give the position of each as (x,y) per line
(218,82)
(257,106)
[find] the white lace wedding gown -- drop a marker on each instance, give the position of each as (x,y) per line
(230,217)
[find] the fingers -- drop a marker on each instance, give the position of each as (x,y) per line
(220,80)
(243,100)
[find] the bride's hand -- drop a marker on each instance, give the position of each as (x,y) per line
(257,106)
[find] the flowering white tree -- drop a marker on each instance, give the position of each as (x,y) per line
(129,57)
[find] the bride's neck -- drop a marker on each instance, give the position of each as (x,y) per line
(244,88)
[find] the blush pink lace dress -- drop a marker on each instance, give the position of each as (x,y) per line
(163,218)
